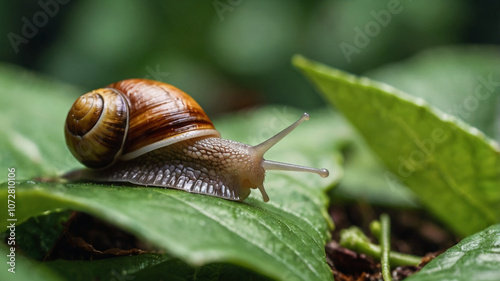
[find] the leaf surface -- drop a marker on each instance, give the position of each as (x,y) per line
(476,257)
(200,229)
(453,168)
(32,113)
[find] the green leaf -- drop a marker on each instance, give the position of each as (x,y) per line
(452,167)
(38,235)
(284,237)
(32,113)
(366,179)
(476,257)
(24,268)
(122,268)
(461,81)
(281,239)
(138,267)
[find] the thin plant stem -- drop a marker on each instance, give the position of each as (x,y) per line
(353,238)
(385,244)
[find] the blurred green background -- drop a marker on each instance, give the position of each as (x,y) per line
(230,54)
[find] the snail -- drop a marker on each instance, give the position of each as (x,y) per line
(151,133)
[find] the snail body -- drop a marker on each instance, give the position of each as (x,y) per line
(150,133)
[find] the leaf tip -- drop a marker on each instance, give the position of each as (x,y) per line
(299,61)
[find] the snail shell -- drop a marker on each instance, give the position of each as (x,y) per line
(130,118)
(150,133)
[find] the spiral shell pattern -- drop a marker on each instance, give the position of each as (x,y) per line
(96,127)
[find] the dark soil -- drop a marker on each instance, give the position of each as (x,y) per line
(412,232)
(87,238)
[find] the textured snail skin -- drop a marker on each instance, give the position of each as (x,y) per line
(211,166)
(151,133)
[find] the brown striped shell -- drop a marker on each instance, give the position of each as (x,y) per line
(130,118)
